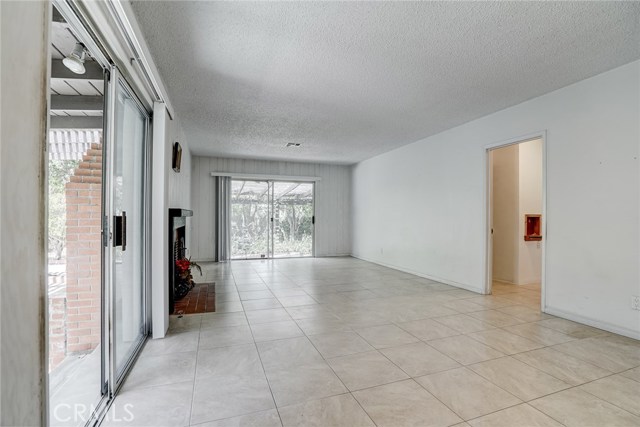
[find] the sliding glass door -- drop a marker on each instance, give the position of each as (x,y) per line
(127,212)
(250,214)
(97,297)
(97,316)
(292,219)
(271,219)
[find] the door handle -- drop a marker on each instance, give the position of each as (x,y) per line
(120,231)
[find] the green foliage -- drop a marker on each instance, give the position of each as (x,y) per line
(293,230)
(60,172)
(250,226)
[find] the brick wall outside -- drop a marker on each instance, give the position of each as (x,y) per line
(57,331)
(83,248)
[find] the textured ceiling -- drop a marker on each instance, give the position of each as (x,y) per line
(355,79)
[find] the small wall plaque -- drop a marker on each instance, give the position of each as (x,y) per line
(177,157)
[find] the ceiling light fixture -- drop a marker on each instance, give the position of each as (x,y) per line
(75,60)
(293,144)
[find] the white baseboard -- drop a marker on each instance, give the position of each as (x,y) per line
(426,276)
(605,326)
(257,259)
(332,255)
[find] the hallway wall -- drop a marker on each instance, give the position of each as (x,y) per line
(592,226)
(529,202)
(332,203)
(506,212)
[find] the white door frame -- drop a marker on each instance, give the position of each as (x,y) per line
(488,173)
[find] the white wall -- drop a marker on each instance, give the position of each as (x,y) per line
(161,162)
(179,183)
(23,114)
(592,224)
(169,190)
(529,202)
(332,203)
(506,211)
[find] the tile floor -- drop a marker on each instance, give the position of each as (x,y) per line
(341,342)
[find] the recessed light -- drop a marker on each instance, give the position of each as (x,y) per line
(293,144)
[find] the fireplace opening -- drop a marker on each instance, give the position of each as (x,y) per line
(177,248)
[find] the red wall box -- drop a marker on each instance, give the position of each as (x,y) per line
(532,227)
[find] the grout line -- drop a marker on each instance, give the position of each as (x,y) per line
(264,372)
(195,371)
(230,418)
(513,406)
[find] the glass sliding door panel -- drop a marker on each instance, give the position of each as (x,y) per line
(75,279)
(292,219)
(249,219)
(128,209)
(75,303)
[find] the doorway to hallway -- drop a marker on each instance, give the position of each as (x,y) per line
(271,219)
(515,219)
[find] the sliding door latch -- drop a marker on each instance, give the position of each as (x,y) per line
(120,231)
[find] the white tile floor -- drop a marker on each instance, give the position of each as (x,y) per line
(341,342)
